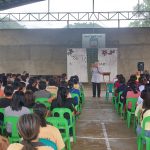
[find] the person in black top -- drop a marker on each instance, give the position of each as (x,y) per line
(32,85)
(5,102)
(63,100)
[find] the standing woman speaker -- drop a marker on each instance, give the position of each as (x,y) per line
(96,79)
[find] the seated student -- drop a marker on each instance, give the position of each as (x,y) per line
(42,93)
(16,108)
(63,100)
(29,99)
(52,87)
(72,90)
(6,101)
(32,85)
(22,87)
(48,131)
(145,112)
(122,88)
(132,93)
(28,128)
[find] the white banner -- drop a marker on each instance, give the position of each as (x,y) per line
(107,58)
(77,63)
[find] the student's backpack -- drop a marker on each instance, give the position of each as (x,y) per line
(3,143)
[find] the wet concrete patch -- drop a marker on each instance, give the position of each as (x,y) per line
(89,129)
(123,144)
(89,144)
(119,130)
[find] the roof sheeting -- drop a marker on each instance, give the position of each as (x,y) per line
(7,4)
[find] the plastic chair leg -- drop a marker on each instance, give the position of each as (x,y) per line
(74,135)
(128,119)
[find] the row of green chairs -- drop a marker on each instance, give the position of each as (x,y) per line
(130,115)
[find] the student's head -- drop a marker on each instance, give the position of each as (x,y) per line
(22,86)
(142,80)
(77,78)
(18,100)
(33,81)
(16,84)
(28,127)
(64,76)
(8,91)
(42,85)
(133,78)
(122,80)
(29,98)
(132,86)
(41,111)
(52,82)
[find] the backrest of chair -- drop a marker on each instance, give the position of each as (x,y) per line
(119,96)
(59,122)
(2,113)
(145,121)
(13,121)
(133,101)
(43,101)
(60,112)
(73,95)
(2,110)
(110,87)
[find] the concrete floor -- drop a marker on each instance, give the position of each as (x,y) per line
(100,128)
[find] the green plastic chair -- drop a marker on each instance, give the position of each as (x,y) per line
(82,95)
(14,131)
(61,112)
(132,111)
(2,126)
(109,89)
(78,107)
(142,136)
(61,124)
(44,101)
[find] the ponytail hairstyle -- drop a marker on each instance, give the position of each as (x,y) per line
(28,127)
(41,111)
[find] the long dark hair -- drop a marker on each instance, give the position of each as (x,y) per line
(62,95)
(29,99)
(145,95)
(18,100)
(41,111)
(28,127)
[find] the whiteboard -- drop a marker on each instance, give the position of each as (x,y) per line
(77,63)
(107,58)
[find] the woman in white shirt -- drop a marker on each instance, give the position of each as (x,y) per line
(96,72)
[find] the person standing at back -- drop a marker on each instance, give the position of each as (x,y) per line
(96,79)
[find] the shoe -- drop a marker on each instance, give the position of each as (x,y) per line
(94,96)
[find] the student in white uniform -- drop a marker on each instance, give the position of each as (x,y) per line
(96,79)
